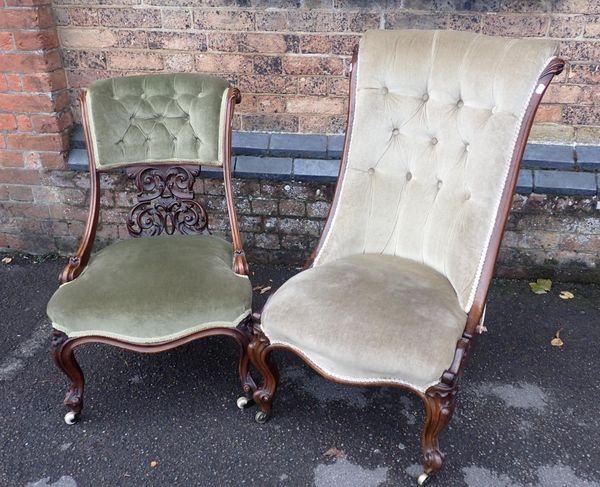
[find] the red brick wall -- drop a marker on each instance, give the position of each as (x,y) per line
(34,121)
(291,62)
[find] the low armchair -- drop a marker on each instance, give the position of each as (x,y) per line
(173,281)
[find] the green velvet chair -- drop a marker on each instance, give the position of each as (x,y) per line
(397,286)
(173,282)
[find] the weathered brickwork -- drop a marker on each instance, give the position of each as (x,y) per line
(290,58)
(553,236)
(281,221)
(34,122)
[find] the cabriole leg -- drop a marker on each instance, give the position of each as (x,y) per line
(259,351)
(439,403)
(61,350)
(248,384)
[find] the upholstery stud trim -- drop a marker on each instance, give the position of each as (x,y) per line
(344,378)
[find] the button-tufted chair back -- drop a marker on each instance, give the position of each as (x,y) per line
(436,120)
(157,118)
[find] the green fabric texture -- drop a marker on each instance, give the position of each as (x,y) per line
(369,317)
(155,118)
(154,289)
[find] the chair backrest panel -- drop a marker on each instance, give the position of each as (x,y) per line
(156,119)
(436,120)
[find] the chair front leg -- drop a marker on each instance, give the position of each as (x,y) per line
(61,349)
(259,351)
(248,384)
(439,403)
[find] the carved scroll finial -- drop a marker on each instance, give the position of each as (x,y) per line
(165,202)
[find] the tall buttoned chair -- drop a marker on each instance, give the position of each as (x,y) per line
(397,285)
(173,281)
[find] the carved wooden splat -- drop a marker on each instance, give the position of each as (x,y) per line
(165,202)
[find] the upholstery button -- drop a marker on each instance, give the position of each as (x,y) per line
(385,90)
(460,103)
(467,195)
(408,176)
(425,97)
(434,141)
(143,96)
(467,147)
(439,183)
(395,131)
(371,171)
(494,109)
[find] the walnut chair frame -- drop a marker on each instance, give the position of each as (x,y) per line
(439,399)
(173,190)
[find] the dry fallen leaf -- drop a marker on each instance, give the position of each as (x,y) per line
(265,289)
(556,341)
(7,260)
(566,295)
(541,286)
(334,453)
(153,463)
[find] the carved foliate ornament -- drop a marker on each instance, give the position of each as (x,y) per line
(165,202)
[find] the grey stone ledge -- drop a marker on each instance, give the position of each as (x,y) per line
(565,183)
(335,146)
(298,145)
(77,138)
(545,156)
(324,170)
(588,157)
(323,167)
(525,181)
(261,167)
(250,143)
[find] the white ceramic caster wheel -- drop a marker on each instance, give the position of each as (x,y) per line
(423,479)
(242,402)
(71,417)
(261,417)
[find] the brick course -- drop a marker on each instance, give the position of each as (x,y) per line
(35,118)
(297,53)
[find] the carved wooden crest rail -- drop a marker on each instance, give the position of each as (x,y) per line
(165,202)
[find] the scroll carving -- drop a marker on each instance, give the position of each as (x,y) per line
(166,202)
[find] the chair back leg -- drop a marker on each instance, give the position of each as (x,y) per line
(259,351)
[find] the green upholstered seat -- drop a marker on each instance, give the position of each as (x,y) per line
(369,318)
(157,118)
(151,290)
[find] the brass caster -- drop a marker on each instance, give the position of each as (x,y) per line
(72,417)
(243,402)
(261,417)
(423,479)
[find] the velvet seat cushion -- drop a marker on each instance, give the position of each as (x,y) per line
(369,318)
(155,289)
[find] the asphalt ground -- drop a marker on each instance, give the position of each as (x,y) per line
(528,413)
